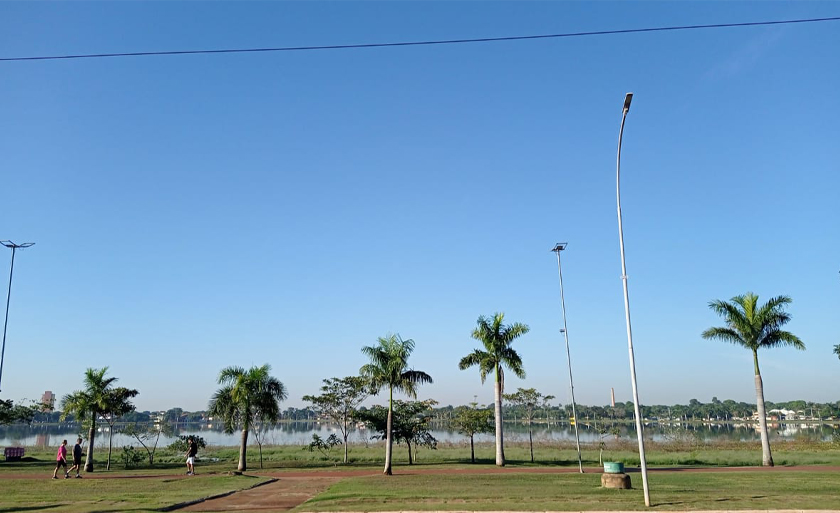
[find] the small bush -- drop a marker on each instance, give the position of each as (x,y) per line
(130,457)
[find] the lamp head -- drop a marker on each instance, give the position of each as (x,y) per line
(11,245)
(560,246)
(627,99)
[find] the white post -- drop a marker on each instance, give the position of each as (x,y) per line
(639,431)
(558,249)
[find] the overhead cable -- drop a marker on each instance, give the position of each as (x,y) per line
(417,43)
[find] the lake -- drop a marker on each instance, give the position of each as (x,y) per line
(300,433)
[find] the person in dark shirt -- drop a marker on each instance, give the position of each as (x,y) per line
(77,457)
(192,450)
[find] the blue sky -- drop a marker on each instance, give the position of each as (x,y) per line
(196,212)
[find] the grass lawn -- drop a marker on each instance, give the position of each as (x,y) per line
(126,494)
(576,492)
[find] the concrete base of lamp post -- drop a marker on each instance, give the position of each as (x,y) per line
(619,481)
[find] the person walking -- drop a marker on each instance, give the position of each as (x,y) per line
(61,460)
(77,457)
(192,450)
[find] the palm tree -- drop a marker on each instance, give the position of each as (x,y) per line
(755,327)
(837,350)
(388,367)
(246,397)
(497,354)
(98,398)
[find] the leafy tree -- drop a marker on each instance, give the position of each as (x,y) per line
(409,423)
(528,399)
(338,401)
(324,446)
(260,429)
(837,350)
(246,397)
(173,415)
(388,367)
(496,355)
(149,436)
(11,413)
(88,404)
(603,432)
(755,327)
(470,422)
(118,403)
(181,444)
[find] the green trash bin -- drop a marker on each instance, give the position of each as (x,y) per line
(613,467)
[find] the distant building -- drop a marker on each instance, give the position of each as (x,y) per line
(48,401)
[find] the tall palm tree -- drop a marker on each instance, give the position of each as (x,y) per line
(246,397)
(388,367)
(87,405)
(755,327)
(496,355)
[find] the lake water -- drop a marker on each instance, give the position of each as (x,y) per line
(300,433)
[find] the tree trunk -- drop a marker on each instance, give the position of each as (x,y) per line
(389,436)
(110,445)
(472,449)
(261,464)
(91,434)
(500,447)
(766,457)
(410,461)
(531,441)
(346,434)
(243,462)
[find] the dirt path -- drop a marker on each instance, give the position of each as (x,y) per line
(281,495)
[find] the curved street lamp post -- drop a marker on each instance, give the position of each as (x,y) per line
(627,99)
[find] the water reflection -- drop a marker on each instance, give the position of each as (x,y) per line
(300,433)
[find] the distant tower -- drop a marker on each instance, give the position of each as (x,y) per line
(48,401)
(612,397)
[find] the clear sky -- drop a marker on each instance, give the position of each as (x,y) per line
(196,212)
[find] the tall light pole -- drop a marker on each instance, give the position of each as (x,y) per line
(14,247)
(627,99)
(557,249)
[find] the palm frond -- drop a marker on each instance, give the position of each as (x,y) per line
(474,358)
(724,334)
(782,338)
(229,375)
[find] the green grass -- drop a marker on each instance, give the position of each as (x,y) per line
(94,495)
(553,454)
(576,492)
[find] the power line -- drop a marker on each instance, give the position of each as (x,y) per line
(418,43)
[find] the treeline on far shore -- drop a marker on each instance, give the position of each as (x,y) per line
(694,411)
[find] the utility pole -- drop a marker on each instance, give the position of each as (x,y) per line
(560,246)
(14,247)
